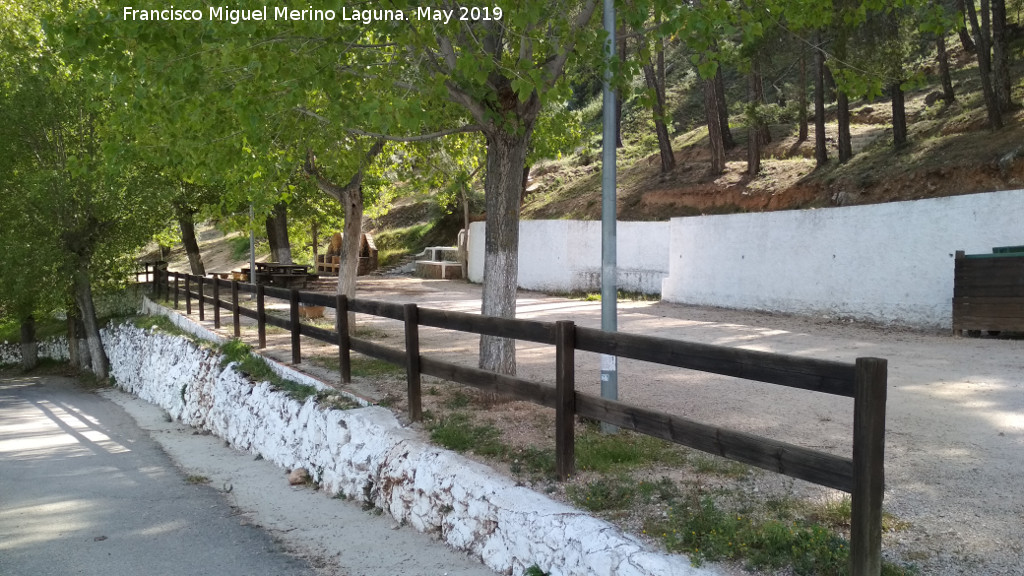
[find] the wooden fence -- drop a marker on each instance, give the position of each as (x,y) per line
(988,291)
(865,381)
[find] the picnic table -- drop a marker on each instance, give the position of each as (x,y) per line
(280,274)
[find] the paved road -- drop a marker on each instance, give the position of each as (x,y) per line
(83,490)
(92,484)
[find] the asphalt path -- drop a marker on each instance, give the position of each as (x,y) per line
(83,490)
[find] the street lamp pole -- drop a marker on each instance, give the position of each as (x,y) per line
(609,287)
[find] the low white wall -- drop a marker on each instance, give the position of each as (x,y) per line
(52,348)
(889,263)
(565,255)
(365,454)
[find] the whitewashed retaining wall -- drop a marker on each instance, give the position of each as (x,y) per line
(53,348)
(366,454)
(565,255)
(889,263)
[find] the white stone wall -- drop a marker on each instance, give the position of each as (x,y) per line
(565,255)
(365,454)
(53,348)
(890,263)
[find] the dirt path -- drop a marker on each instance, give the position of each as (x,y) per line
(955,421)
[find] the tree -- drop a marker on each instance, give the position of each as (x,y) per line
(501,73)
(97,208)
(820,145)
(653,64)
(982,37)
(350,196)
(190,199)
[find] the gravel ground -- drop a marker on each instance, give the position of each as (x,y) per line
(955,415)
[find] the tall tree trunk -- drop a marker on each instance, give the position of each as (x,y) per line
(830,85)
(526,182)
(965,37)
(843,125)
(350,197)
(802,97)
(753,141)
(947,81)
(186,221)
(1000,56)
(715,140)
(899,115)
(668,159)
(820,144)
(352,234)
(29,346)
(277,234)
(764,133)
(506,155)
(314,240)
(83,299)
(981,34)
(723,111)
(78,348)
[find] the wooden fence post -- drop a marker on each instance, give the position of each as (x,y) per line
(412,361)
(868,467)
(261,317)
(234,309)
(188,294)
(201,298)
(565,402)
(294,317)
(957,330)
(156,284)
(344,340)
(176,291)
(216,302)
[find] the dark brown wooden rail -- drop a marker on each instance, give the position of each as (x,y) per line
(862,475)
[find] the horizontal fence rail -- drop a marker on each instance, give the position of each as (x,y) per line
(861,475)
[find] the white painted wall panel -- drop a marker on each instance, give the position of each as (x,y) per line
(565,255)
(889,263)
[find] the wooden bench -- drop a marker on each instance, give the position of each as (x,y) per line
(988,291)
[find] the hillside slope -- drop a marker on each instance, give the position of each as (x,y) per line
(950,152)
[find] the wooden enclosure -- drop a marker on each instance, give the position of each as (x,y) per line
(864,381)
(988,291)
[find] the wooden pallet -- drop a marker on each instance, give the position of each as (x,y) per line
(988,292)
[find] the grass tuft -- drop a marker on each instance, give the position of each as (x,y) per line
(600,452)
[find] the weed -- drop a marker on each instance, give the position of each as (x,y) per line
(709,464)
(368,333)
(164,324)
(456,432)
(538,462)
(664,489)
(234,350)
(257,369)
(614,493)
(197,479)
(373,368)
(458,399)
(535,570)
(600,452)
